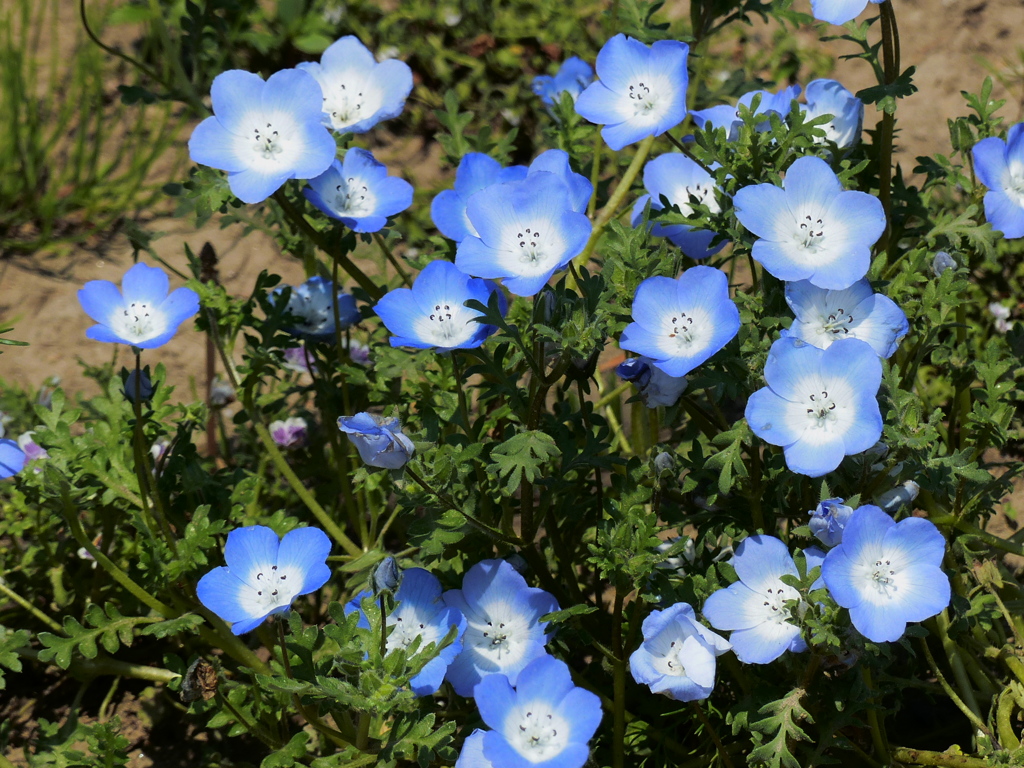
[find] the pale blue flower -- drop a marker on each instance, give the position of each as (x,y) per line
(357,91)
(811,228)
(312,304)
(828,520)
(681,323)
(728,117)
(379,439)
(829,97)
(1000,167)
(12,458)
(140,314)
(572,77)
(819,405)
(472,754)
(358,192)
(641,90)
(263,133)
(264,574)
(656,387)
(476,171)
(678,654)
(839,11)
(887,573)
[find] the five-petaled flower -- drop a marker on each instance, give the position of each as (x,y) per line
(640,91)
(887,573)
(829,97)
(728,117)
(358,192)
(141,313)
(546,721)
(839,11)
(12,458)
(1000,167)
(572,77)
(819,405)
(357,91)
(504,631)
(264,574)
(476,171)
(678,654)
(379,439)
(811,228)
(312,304)
(263,133)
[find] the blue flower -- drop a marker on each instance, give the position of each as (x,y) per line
(141,314)
(839,11)
(678,178)
(12,459)
(887,573)
(754,607)
(656,387)
(359,192)
(641,91)
(526,230)
(819,405)
(472,754)
(1000,167)
(311,303)
(681,323)
(420,614)
(811,228)
(677,656)
(505,632)
(728,117)
(379,439)
(828,520)
(556,161)
(263,133)
(476,171)
(829,97)
(264,574)
(433,313)
(572,77)
(357,91)
(857,312)
(546,722)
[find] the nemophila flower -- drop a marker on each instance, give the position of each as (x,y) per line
(379,439)
(263,132)
(472,753)
(811,228)
(545,721)
(264,574)
(1001,315)
(433,313)
(137,386)
(942,262)
(681,323)
(420,614)
(358,91)
(476,171)
(902,495)
(556,161)
(526,230)
(887,573)
(754,607)
(678,654)
(641,90)
(141,313)
(572,77)
(829,97)
(828,520)
(312,305)
(387,576)
(12,458)
(678,178)
(819,405)
(857,312)
(504,631)
(1000,167)
(32,450)
(656,387)
(728,117)
(839,11)
(290,433)
(358,192)
(299,359)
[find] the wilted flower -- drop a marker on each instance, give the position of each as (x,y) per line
(31,448)
(379,439)
(900,496)
(655,386)
(291,433)
(828,520)
(221,392)
(299,359)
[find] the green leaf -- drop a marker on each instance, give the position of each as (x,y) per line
(522,456)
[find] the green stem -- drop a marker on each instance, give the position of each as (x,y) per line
(890,67)
(595,173)
(450,503)
(723,754)
(1004,727)
(143,470)
(460,390)
(391,257)
(619,686)
(98,667)
(878,736)
(956,663)
(925,757)
(56,627)
(976,721)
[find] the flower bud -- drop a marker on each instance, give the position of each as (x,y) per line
(386,576)
(134,386)
(942,262)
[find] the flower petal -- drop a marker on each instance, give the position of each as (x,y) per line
(306,551)
(760,561)
(253,546)
(145,284)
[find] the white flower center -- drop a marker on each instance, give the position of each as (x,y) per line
(268,588)
(138,322)
(883,577)
(408,625)
(498,633)
(537,732)
(670,663)
(353,198)
(315,309)
(267,142)
(821,409)
(447,325)
(531,248)
(774,603)
(1013,182)
(685,332)
(350,101)
(837,322)
(810,233)
(644,101)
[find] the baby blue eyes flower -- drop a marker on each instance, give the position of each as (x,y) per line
(754,607)
(504,631)
(420,614)
(819,405)
(476,171)
(572,77)
(12,459)
(312,304)
(641,90)
(728,117)
(839,11)
(811,228)
(857,312)
(828,521)
(828,97)
(357,91)
(472,754)
(656,387)
(678,655)
(526,230)
(263,133)
(678,178)
(358,192)
(545,722)
(887,573)
(379,439)
(432,314)
(1000,167)
(141,314)
(264,574)
(681,323)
